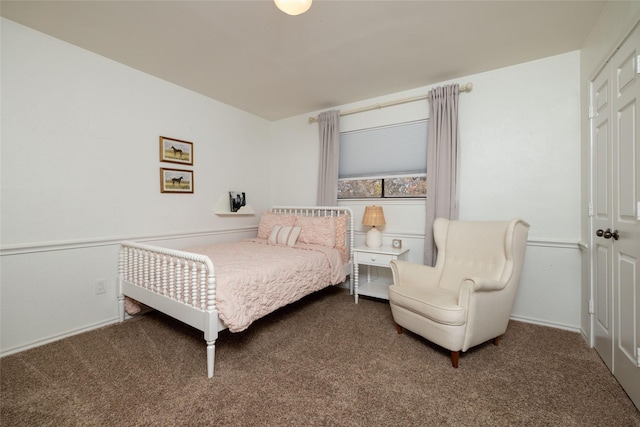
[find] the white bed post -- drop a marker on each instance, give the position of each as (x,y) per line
(120,301)
(351,234)
(211,357)
(211,322)
(120,279)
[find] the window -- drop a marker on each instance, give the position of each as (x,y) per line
(384,162)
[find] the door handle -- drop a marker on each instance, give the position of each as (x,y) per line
(607,234)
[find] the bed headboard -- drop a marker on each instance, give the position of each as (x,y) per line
(323,211)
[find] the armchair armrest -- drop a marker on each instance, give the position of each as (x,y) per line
(478,284)
(488,307)
(407,273)
(470,286)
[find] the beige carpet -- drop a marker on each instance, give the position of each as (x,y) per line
(323,361)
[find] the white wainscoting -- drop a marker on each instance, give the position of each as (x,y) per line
(549,292)
(49,289)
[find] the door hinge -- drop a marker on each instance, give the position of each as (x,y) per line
(590,209)
(591,311)
(638,64)
(591,115)
(638,354)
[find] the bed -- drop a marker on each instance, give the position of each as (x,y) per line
(298,250)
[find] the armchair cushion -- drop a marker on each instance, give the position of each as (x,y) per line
(437,304)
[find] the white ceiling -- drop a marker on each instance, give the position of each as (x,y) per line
(250,55)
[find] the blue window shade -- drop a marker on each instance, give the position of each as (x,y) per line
(384,151)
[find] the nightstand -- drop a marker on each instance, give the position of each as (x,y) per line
(378,257)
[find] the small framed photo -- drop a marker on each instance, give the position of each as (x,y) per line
(396,243)
(237,199)
(176,181)
(176,151)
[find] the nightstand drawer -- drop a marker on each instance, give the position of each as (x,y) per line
(382,260)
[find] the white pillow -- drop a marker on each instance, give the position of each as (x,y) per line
(284,235)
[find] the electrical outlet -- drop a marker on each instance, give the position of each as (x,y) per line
(101,286)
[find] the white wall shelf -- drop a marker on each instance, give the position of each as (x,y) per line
(223,209)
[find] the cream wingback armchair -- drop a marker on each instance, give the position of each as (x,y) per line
(466,298)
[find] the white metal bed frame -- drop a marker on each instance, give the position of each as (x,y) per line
(183,284)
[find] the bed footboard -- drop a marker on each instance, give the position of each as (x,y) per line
(177,283)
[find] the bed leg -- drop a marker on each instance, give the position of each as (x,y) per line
(211,352)
(120,302)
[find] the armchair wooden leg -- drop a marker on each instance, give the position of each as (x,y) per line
(454,358)
(495,340)
(399,328)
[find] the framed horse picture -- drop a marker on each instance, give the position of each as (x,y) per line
(176,151)
(176,181)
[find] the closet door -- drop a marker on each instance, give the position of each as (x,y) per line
(602,217)
(626,218)
(615,132)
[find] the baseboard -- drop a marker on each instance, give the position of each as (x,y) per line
(547,323)
(585,335)
(58,337)
(345,285)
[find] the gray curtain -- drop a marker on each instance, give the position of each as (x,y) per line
(442,162)
(329,126)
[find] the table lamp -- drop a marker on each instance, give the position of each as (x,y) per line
(373,217)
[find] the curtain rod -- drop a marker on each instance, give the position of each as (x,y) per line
(463,88)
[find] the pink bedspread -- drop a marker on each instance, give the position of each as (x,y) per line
(254,278)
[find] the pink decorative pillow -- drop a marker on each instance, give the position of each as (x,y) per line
(268,220)
(341,230)
(284,235)
(317,230)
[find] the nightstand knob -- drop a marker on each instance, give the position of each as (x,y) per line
(373,258)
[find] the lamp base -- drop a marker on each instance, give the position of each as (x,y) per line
(374,238)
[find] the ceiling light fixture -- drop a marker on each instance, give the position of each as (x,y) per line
(293,7)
